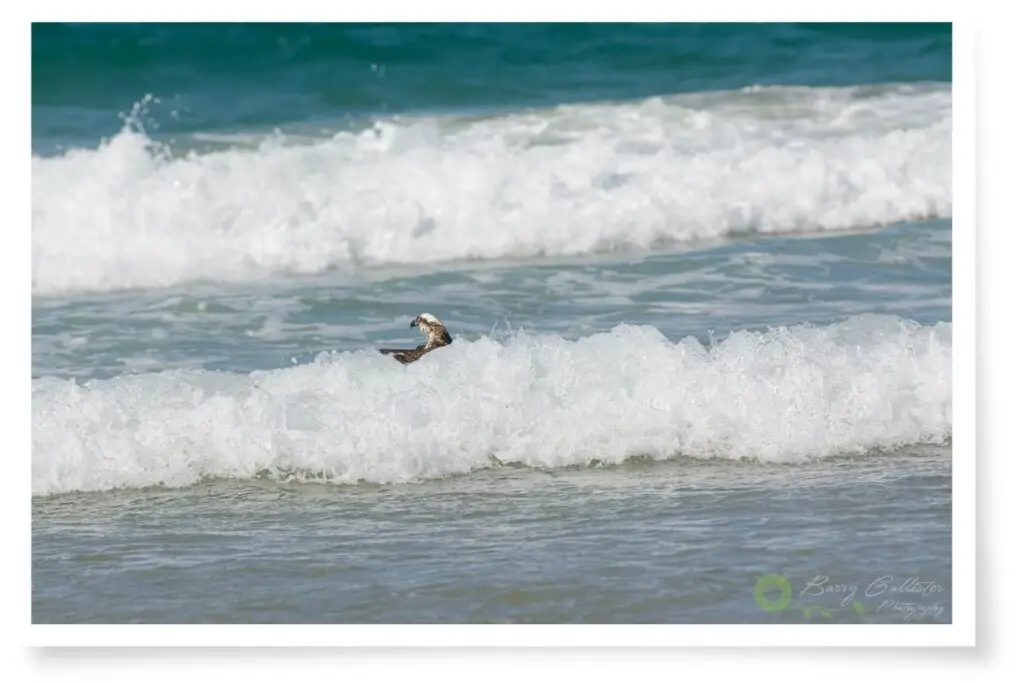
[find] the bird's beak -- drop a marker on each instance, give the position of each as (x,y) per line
(414,323)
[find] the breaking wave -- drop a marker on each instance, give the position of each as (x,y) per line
(576,179)
(784,395)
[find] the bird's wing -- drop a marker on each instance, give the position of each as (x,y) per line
(406,355)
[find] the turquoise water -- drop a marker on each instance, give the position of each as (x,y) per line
(226,77)
(698,276)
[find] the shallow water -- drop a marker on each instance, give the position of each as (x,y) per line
(674,542)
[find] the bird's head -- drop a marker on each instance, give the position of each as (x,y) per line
(433,329)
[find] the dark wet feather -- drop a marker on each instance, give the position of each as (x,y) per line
(407,355)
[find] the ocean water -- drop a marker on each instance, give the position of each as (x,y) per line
(698,277)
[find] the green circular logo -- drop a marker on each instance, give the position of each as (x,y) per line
(770,582)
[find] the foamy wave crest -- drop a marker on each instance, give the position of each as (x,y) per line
(572,180)
(789,394)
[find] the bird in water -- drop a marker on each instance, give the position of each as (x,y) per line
(435,332)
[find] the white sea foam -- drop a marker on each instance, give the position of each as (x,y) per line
(786,395)
(571,180)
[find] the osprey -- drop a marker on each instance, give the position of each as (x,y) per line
(435,332)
